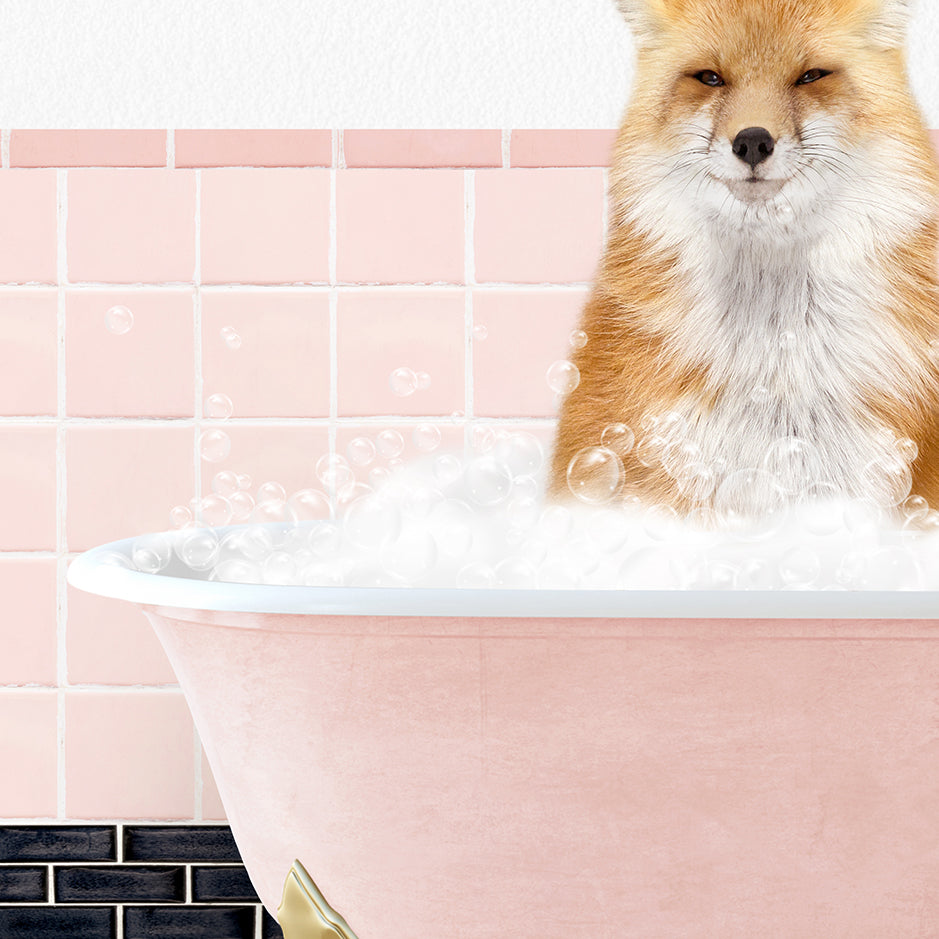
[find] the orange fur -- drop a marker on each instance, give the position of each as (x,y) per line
(629,367)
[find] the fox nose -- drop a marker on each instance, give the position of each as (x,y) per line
(753,145)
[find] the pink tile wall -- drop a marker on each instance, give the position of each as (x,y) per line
(336,258)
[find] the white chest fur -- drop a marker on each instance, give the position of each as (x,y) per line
(795,339)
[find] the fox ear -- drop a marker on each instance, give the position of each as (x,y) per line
(889,23)
(640,16)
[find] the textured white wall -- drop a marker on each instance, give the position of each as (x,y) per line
(340,63)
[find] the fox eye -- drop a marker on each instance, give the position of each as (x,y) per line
(812,75)
(708,77)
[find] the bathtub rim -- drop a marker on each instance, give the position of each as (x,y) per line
(90,572)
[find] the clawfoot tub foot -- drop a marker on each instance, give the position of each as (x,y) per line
(304,913)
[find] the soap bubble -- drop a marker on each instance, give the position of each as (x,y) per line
(484,439)
(253,543)
(748,503)
(219,407)
(594,475)
(893,568)
(310,505)
(480,332)
(236,571)
(272,510)
(198,549)
(423,381)
(214,445)
(279,568)
(696,482)
(760,395)
(651,449)
(214,510)
(361,451)
(403,382)
(907,449)
(334,472)
(244,480)
(230,337)
(426,437)
(522,513)
(119,320)
(242,505)
(151,553)
(319,574)
(756,574)
(618,438)
(794,462)
(520,453)
(271,492)
(563,377)
(390,443)
(888,480)
(325,540)
(225,483)
(915,508)
(488,481)
(180,516)
(799,567)
(577,339)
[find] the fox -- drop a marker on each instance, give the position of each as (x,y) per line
(766,305)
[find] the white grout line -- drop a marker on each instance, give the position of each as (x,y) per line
(506,149)
(61,488)
(199,787)
(5,149)
(338,160)
(469,275)
(339,150)
(171,149)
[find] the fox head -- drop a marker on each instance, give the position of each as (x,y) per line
(768,113)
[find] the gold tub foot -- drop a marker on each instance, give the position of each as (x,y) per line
(304,913)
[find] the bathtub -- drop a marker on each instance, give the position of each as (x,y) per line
(474,764)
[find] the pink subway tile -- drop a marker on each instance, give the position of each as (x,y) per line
(144,372)
(28,226)
(110,642)
(128,755)
(124,479)
(28,742)
(561,147)
(538,226)
(281,368)
(254,148)
(131,225)
(212,808)
(28,623)
(379,332)
(399,226)
(28,352)
(27,481)
(414,148)
(285,455)
(265,226)
(88,148)
(527,332)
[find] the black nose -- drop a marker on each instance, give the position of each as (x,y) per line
(753,145)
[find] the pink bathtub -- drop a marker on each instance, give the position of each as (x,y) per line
(459,764)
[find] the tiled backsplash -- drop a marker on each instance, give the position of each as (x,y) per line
(134,881)
(336,256)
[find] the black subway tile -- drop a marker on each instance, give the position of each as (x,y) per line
(57,843)
(25,922)
(188,922)
(23,885)
(199,843)
(120,884)
(270,928)
(222,883)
